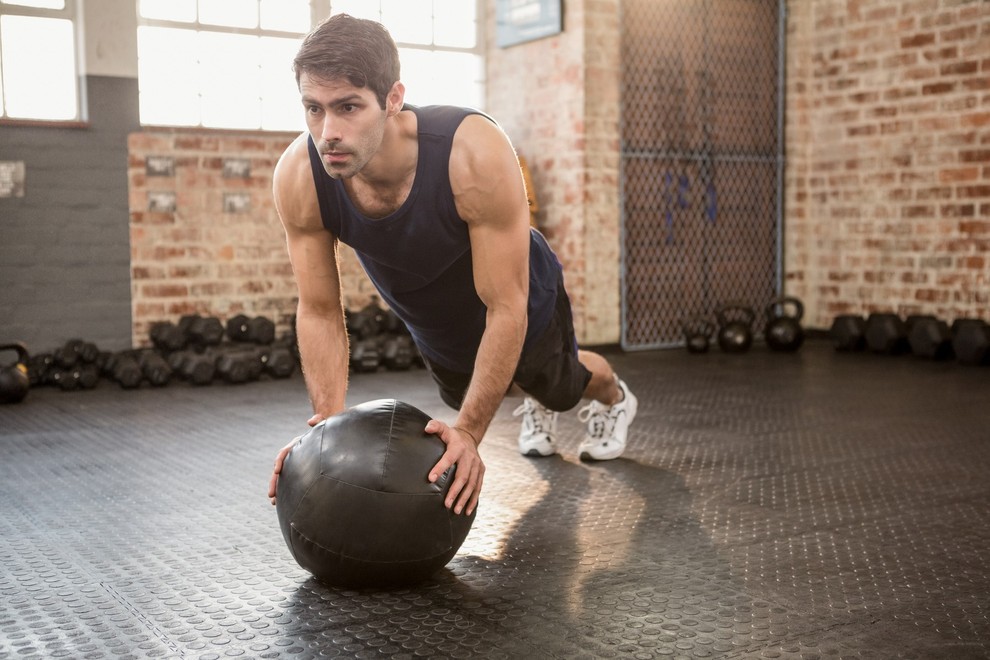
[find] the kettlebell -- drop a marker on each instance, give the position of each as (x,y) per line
(697,332)
(14,381)
(784,332)
(735,334)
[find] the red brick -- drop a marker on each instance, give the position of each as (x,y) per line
(918,40)
(960,68)
(938,88)
(165,291)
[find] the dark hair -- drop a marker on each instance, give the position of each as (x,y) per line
(359,50)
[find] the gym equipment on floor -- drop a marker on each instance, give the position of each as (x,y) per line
(14,379)
(354,503)
(735,332)
(783,331)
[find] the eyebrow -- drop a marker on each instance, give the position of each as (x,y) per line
(350,98)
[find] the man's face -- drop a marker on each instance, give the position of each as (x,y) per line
(346,123)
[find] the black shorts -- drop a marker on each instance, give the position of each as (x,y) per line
(548,371)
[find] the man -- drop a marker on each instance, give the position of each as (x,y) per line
(433,202)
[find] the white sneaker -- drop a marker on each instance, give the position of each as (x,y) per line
(608,427)
(538,436)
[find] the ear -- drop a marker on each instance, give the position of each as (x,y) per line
(394,100)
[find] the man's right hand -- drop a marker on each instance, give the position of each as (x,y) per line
(280,459)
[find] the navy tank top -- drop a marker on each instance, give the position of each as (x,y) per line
(419,257)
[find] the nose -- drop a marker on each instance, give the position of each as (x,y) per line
(330,130)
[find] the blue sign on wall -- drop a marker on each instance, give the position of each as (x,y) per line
(518,21)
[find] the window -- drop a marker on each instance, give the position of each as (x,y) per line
(228,63)
(439,46)
(38,74)
(220,63)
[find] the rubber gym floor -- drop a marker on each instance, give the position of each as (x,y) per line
(809,505)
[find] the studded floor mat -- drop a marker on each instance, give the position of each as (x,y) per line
(816,505)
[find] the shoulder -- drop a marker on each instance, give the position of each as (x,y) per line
(484,172)
(479,141)
(444,120)
(293,161)
(480,145)
(294,188)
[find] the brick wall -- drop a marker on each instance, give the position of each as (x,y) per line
(557,98)
(887,181)
(888,149)
(221,250)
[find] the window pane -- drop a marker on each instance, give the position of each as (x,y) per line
(356,8)
(41,4)
(440,77)
(280,105)
(170,107)
(168,71)
(39,83)
(169,10)
(409,21)
(231,13)
(230,79)
(286,15)
(454,23)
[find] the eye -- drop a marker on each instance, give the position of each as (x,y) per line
(348,107)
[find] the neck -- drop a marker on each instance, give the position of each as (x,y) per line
(397,157)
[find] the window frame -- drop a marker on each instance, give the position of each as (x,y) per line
(479,49)
(70,12)
(197,26)
(319,10)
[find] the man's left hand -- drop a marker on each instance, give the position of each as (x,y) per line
(462,449)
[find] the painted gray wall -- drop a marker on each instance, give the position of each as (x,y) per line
(65,245)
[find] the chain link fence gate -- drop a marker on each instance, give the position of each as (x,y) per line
(701,162)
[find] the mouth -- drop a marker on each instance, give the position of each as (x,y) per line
(335,157)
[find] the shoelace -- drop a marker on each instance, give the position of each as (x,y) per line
(535,415)
(600,419)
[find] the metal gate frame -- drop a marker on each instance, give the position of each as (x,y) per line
(708,307)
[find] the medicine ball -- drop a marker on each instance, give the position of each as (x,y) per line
(354,501)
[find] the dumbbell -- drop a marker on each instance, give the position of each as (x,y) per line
(929,337)
(39,369)
(278,361)
(397,353)
(238,364)
(971,341)
(84,376)
(367,322)
(848,332)
(84,351)
(154,367)
(123,368)
(365,355)
(257,330)
(196,368)
(202,331)
(167,337)
(886,333)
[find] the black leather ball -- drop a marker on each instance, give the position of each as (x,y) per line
(355,504)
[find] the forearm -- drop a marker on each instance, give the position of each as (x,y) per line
(323,352)
(498,354)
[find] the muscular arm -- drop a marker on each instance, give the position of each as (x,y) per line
(319,314)
(491,198)
(313,254)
